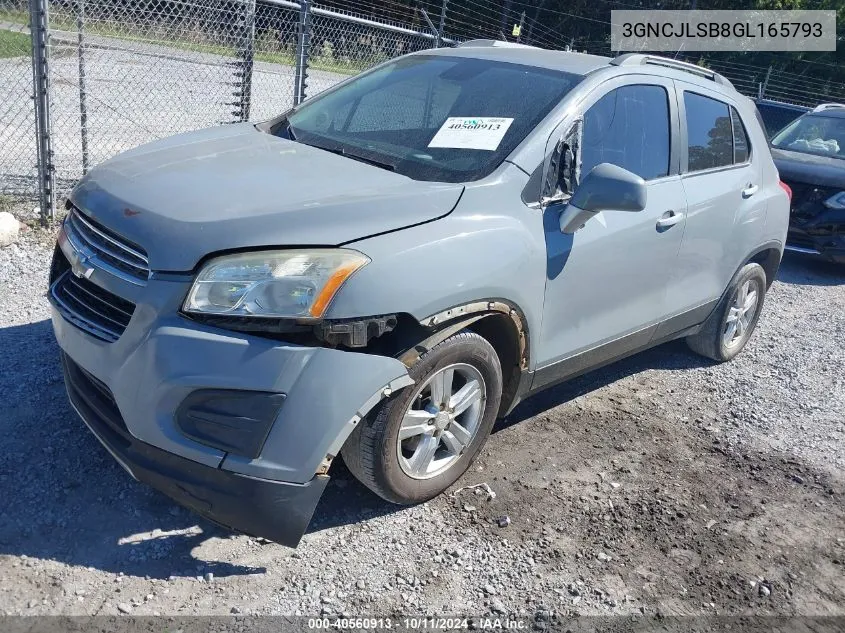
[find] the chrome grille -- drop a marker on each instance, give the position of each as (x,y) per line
(105,249)
(91,308)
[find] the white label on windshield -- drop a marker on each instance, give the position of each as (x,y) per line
(471,133)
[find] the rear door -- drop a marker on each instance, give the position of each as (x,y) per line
(725,214)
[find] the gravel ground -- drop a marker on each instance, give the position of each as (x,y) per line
(661,484)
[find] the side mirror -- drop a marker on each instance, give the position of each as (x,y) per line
(606,188)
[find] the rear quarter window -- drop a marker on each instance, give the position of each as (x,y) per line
(742,148)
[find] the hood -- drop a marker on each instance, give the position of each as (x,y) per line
(811,169)
(235,187)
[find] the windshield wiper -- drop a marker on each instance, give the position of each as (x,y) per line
(341,151)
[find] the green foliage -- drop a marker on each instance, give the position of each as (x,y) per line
(14,44)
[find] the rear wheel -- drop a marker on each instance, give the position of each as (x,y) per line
(419,441)
(727,330)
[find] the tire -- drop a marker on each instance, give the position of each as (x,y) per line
(712,340)
(374,453)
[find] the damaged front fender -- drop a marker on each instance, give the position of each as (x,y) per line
(453,320)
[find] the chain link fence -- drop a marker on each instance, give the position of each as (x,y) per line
(124,73)
(18,156)
(777,85)
(93,78)
(114,74)
(347,43)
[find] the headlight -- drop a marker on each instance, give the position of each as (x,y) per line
(836,201)
(289,283)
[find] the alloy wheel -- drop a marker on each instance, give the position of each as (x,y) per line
(442,420)
(741,314)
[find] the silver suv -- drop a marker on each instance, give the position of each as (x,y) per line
(386,269)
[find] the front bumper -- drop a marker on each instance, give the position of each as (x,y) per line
(814,228)
(275,510)
(157,360)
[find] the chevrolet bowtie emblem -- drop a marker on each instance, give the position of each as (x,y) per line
(80,266)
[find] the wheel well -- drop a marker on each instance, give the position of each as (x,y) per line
(769,259)
(503,327)
(501,332)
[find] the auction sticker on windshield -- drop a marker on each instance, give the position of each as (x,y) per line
(471,133)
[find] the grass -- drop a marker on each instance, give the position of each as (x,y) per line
(14,44)
(7,203)
(264,51)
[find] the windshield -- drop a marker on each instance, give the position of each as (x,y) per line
(438,118)
(814,134)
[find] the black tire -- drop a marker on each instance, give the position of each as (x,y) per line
(370,452)
(709,341)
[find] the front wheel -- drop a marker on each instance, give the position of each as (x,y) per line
(727,330)
(418,442)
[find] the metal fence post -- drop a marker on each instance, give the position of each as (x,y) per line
(303,45)
(441,32)
(83,97)
(432,27)
(39,25)
(245,63)
(765,83)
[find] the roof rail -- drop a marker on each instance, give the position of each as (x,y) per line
(640,59)
(496,43)
(828,106)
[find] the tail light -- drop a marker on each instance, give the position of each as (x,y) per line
(786,188)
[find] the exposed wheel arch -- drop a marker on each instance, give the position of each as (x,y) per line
(501,332)
(500,322)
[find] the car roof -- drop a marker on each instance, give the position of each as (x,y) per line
(833,113)
(565,61)
(584,64)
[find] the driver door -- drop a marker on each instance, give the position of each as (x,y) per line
(606,283)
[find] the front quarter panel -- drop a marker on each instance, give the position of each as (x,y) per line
(490,247)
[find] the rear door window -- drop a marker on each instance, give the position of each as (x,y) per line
(709,132)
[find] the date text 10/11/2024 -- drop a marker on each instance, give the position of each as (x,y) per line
(419,624)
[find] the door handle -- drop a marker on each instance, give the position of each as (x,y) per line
(668,219)
(750,190)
